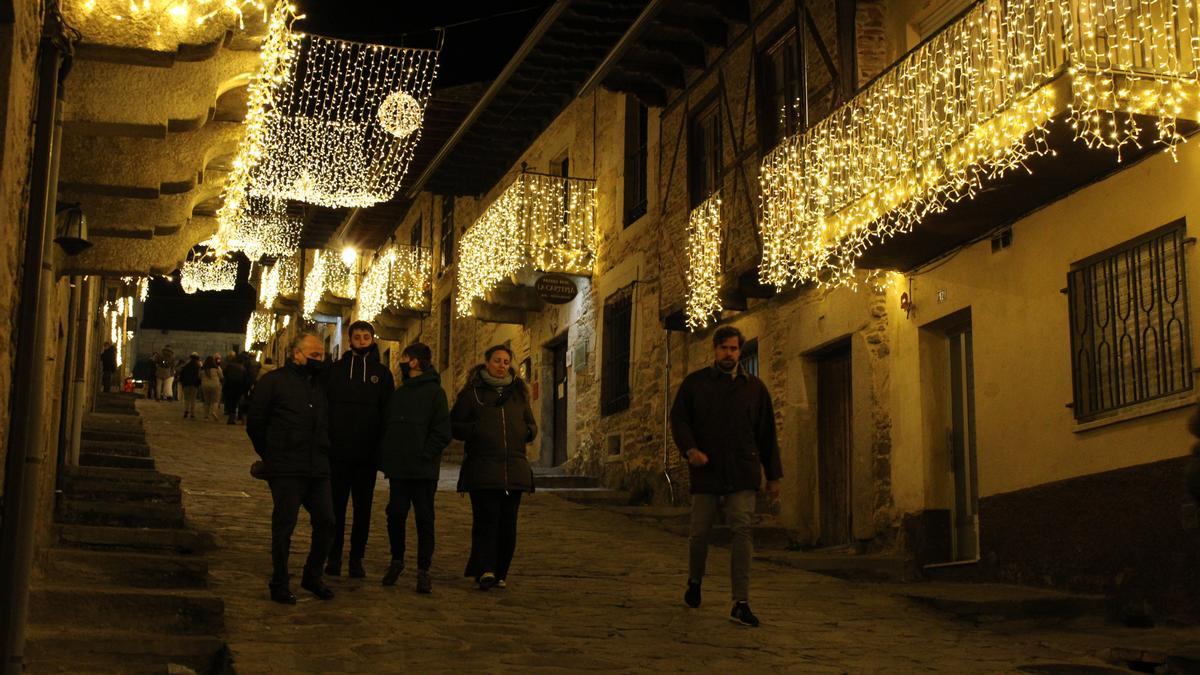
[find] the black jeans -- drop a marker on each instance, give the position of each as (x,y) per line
(289,494)
(493,532)
(419,493)
(355,479)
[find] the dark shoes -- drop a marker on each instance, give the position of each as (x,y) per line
(393,572)
(356,568)
(424,583)
(317,588)
(333,568)
(741,614)
(486,581)
(692,596)
(283,595)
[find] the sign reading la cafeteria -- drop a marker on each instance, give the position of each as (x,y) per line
(556,289)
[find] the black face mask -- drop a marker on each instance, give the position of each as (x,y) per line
(314,367)
(405,369)
(361,352)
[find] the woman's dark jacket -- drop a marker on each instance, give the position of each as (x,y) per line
(358,388)
(288,423)
(189,374)
(730,419)
(496,426)
(416,428)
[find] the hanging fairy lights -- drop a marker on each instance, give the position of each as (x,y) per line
(208,272)
(314,284)
(398,278)
(143,289)
(158,24)
(259,328)
(343,127)
(968,106)
(261,228)
(704,263)
(331,273)
(543,222)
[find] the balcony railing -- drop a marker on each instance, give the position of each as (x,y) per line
(398,278)
(972,103)
(540,222)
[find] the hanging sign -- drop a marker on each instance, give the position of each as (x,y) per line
(556,289)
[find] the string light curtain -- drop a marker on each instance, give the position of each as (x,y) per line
(704,263)
(343,126)
(208,272)
(259,328)
(261,228)
(968,106)
(331,273)
(398,278)
(543,222)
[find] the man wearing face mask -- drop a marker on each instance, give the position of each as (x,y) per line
(358,387)
(288,425)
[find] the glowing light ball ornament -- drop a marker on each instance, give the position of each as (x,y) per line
(401,114)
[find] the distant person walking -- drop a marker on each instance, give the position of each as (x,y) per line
(288,425)
(108,366)
(210,388)
(723,423)
(492,415)
(190,380)
(358,387)
(164,373)
(234,386)
(416,431)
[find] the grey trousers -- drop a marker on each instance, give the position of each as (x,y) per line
(739,514)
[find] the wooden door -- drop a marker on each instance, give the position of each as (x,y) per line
(962,445)
(834,446)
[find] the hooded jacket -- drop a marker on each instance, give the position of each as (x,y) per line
(358,387)
(416,429)
(288,424)
(496,426)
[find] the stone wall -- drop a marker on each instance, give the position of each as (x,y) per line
(184,342)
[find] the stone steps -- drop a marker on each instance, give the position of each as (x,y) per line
(118,489)
(84,511)
(124,448)
(127,568)
(144,539)
(104,651)
(115,461)
(155,611)
(121,475)
(132,437)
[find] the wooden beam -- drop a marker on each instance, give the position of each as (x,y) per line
(710,31)
(489,313)
(689,54)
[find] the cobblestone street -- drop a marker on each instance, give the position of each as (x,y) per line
(590,590)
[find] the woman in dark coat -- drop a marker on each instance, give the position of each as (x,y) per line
(492,416)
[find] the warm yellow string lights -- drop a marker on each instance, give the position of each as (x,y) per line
(969,105)
(314,284)
(343,127)
(704,263)
(331,273)
(542,222)
(208,273)
(398,278)
(158,24)
(261,228)
(259,327)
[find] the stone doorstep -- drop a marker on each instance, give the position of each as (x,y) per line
(137,438)
(127,568)
(125,514)
(113,422)
(155,611)
(92,650)
(115,461)
(131,538)
(113,490)
(987,602)
(122,475)
(123,448)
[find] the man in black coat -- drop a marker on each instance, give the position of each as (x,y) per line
(723,423)
(288,424)
(108,365)
(358,387)
(234,385)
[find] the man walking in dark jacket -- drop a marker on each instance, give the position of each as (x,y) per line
(358,387)
(288,424)
(235,386)
(416,431)
(723,423)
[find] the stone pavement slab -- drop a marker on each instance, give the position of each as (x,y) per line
(590,590)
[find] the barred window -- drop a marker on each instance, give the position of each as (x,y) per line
(749,358)
(614,373)
(637,141)
(1130,334)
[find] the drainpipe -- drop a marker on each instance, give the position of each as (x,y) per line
(84,349)
(667,416)
(26,437)
(66,406)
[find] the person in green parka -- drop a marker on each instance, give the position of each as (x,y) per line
(416,429)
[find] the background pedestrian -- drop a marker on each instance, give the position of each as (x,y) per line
(190,381)
(210,387)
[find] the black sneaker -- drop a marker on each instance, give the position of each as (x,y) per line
(424,583)
(692,596)
(741,614)
(317,588)
(282,594)
(486,581)
(393,572)
(356,568)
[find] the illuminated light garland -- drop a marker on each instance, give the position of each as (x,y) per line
(143,288)
(268,289)
(158,24)
(543,222)
(261,228)
(343,127)
(704,263)
(329,274)
(398,278)
(968,106)
(314,284)
(208,274)
(259,327)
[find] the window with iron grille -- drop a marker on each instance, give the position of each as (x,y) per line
(637,142)
(447,254)
(618,333)
(749,358)
(704,153)
(1130,334)
(444,335)
(415,236)
(778,91)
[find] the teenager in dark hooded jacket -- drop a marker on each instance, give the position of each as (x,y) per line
(358,387)
(416,430)
(492,415)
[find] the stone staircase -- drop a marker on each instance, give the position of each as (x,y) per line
(125,588)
